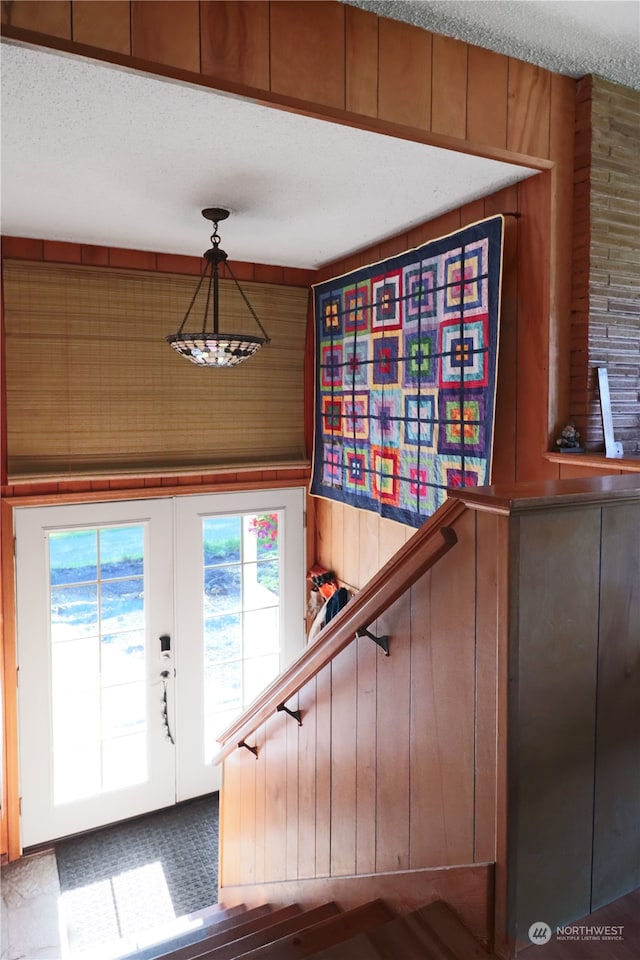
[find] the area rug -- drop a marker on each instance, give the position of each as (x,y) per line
(406,365)
(138,875)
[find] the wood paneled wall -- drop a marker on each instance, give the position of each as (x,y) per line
(105,487)
(606,281)
(351,66)
(523,729)
(336,57)
(355,543)
(394,766)
(348,65)
(574,716)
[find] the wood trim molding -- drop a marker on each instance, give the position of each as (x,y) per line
(422,551)
(551,494)
(597,461)
(8,627)
(132,492)
(10,798)
(270,98)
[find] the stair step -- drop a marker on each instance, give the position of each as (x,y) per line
(357,948)
(248,923)
(323,934)
(162,941)
(216,911)
(390,941)
(431,933)
(447,937)
(241,945)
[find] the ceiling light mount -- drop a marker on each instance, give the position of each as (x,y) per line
(212,348)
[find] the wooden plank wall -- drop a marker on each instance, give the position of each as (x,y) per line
(342,795)
(104,488)
(355,543)
(345,64)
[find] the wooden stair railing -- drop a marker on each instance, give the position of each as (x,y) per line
(431,542)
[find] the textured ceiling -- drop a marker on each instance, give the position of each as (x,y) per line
(95,154)
(572,37)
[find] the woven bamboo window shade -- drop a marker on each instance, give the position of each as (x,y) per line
(94,390)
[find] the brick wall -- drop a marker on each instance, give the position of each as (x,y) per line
(606,267)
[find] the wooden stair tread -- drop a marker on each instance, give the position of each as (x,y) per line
(430,933)
(217,912)
(446,936)
(235,919)
(293,922)
(229,931)
(323,934)
(390,941)
(358,948)
(163,939)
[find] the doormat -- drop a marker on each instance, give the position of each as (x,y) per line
(406,362)
(121,880)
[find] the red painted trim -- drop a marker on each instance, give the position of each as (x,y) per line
(59,252)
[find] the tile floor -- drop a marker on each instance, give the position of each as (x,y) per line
(33,924)
(144,900)
(30,921)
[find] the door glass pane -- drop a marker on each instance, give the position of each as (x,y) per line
(74,612)
(262,632)
(121,552)
(221,540)
(261,585)
(97,628)
(255,670)
(73,556)
(122,657)
(222,588)
(241,602)
(223,638)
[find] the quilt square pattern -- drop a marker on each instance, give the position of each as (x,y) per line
(406,365)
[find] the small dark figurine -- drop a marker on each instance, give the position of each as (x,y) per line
(569,440)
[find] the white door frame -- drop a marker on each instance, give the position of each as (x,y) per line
(181,580)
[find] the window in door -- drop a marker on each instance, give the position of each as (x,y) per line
(97,637)
(137,614)
(241,614)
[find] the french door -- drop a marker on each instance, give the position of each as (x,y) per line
(144,627)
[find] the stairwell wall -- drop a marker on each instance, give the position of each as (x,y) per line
(395,766)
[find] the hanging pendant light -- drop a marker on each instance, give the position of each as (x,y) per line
(212,348)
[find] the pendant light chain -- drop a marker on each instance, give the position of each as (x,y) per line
(215,349)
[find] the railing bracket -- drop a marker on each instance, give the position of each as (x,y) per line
(292,713)
(381,641)
(254,750)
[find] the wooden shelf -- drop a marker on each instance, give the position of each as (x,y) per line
(630,463)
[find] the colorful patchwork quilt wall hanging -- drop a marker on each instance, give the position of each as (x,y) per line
(406,361)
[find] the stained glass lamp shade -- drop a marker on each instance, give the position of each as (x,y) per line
(211,347)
